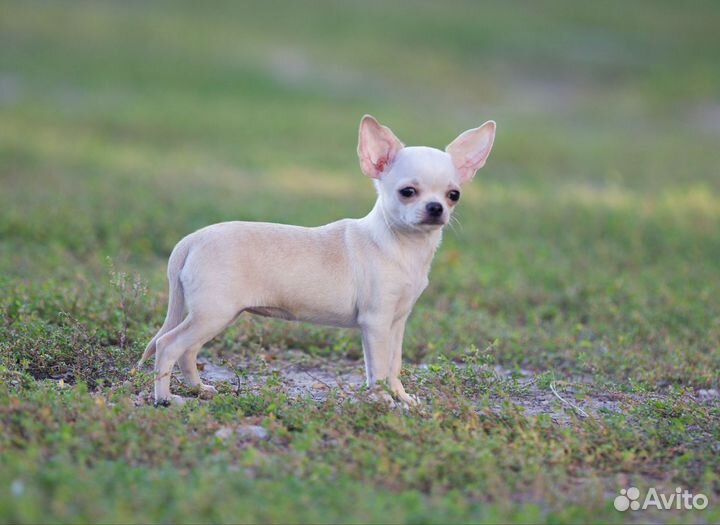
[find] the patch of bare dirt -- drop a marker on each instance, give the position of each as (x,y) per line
(303,376)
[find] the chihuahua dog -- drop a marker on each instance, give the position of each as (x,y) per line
(363,273)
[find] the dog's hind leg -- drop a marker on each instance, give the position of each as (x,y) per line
(188,366)
(190,335)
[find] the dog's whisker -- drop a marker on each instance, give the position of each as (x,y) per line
(454,221)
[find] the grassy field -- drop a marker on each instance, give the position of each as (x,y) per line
(587,259)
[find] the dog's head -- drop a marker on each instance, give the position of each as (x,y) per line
(419,186)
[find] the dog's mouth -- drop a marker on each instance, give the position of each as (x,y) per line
(432,221)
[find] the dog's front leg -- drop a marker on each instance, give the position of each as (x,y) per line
(397,334)
(377,349)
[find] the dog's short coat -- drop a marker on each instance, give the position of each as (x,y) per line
(362,273)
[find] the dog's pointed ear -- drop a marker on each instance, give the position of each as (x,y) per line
(377,147)
(471,149)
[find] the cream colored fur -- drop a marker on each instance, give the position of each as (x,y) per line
(362,273)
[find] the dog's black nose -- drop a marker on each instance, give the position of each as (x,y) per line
(434,209)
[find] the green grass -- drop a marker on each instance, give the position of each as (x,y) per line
(587,254)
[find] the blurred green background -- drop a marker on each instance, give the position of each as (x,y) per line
(589,245)
(125,126)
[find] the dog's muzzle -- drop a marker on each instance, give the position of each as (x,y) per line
(434,212)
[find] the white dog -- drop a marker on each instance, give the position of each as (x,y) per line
(362,273)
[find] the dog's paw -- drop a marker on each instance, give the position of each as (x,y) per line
(382,396)
(408,400)
(206,391)
(172,400)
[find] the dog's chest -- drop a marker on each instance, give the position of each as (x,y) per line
(412,267)
(406,283)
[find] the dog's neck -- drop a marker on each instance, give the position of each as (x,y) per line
(401,242)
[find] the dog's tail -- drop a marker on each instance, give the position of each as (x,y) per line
(176,299)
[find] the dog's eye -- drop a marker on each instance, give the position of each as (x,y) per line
(454,195)
(408,192)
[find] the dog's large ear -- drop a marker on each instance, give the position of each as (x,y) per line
(471,149)
(377,147)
